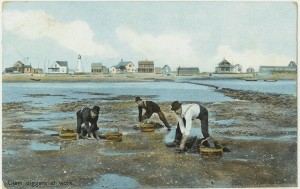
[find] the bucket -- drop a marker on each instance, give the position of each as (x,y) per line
(114,136)
(147,127)
(211,152)
(67,134)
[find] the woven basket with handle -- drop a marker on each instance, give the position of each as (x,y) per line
(114,136)
(67,134)
(209,152)
(147,127)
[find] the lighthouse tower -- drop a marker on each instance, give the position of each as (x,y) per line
(79,68)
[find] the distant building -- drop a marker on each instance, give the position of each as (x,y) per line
(225,67)
(250,70)
(19,67)
(59,67)
(79,67)
(28,69)
(166,69)
(145,66)
(292,67)
(158,70)
(98,68)
(187,70)
(123,67)
(237,68)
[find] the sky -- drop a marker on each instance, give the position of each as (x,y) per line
(175,33)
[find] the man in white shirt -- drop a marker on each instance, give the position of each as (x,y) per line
(185,113)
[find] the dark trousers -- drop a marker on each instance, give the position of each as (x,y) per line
(161,116)
(203,117)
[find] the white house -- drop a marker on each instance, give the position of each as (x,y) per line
(59,67)
(123,67)
(237,68)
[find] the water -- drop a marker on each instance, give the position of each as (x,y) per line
(115,181)
(118,153)
(164,91)
(278,87)
(37,146)
(9,152)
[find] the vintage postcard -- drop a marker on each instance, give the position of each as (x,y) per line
(149,94)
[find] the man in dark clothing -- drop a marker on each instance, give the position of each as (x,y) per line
(87,122)
(150,107)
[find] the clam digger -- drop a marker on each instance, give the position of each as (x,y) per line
(87,122)
(185,113)
(150,107)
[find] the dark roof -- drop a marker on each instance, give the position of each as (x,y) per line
(146,62)
(62,63)
(165,66)
(224,62)
(19,62)
(27,66)
(292,63)
(96,64)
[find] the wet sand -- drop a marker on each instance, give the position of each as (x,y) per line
(260,131)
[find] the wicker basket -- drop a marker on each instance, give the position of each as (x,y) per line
(208,152)
(67,134)
(113,136)
(147,127)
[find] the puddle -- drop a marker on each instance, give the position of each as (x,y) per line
(9,152)
(225,122)
(118,153)
(277,138)
(47,115)
(171,135)
(105,119)
(37,124)
(37,146)
(49,132)
(115,181)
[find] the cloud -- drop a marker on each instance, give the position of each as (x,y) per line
(249,58)
(76,35)
(173,49)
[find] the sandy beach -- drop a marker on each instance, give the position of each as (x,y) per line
(144,158)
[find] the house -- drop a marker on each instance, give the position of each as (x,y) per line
(59,67)
(224,67)
(237,68)
(187,70)
(166,69)
(28,69)
(123,67)
(292,67)
(98,68)
(145,66)
(250,70)
(158,70)
(19,67)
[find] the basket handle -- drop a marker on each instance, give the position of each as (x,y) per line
(118,129)
(204,141)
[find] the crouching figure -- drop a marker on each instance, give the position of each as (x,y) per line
(87,122)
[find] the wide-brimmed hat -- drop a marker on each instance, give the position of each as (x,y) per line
(137,99)
(175,105)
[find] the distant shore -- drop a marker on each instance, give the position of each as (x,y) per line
(6,78)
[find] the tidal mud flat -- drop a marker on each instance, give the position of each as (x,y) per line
(260,129)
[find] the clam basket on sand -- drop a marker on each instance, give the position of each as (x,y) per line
(147,127)
(68,134)
(211,152)
(114,136)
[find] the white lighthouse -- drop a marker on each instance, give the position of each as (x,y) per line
(79,68)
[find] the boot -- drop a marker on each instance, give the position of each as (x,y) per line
(175,143)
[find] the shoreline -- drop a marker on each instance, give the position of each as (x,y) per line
(10,78)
